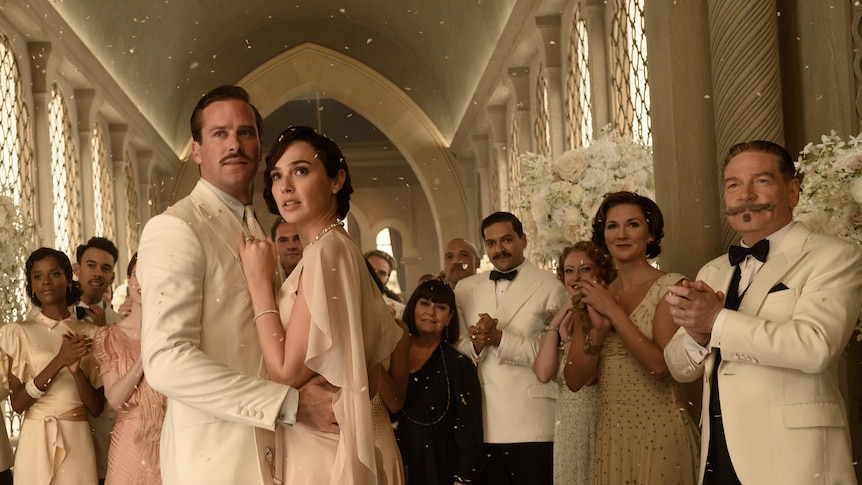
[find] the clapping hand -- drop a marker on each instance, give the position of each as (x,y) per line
(73,348)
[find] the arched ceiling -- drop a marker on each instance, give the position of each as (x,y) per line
(166,53)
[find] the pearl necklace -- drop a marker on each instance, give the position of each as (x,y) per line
(326,229)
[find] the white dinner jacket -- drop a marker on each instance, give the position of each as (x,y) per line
(784,417)
(200,348)
(516,407)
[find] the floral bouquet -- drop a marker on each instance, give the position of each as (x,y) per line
(559,198)
(831,199)
(16,237)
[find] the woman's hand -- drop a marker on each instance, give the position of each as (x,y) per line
(567,324)
(600,322)
(72,349)
(258,259)
(595,295)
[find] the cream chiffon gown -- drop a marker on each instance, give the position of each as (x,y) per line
(351,331)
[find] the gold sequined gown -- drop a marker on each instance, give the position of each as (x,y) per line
(644,435)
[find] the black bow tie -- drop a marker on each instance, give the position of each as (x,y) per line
(497,275)
(737,254)
(80,312)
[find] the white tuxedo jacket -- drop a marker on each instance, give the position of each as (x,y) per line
(784,417)
(516,407)
(200,348)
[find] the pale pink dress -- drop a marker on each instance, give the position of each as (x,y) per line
(130,461)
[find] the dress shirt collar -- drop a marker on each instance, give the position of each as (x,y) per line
(230,201)
(775,238)
(50,323)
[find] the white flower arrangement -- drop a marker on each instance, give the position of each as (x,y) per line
(559,198)
(16,239)
(831,199)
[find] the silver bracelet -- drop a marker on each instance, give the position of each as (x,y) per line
(33,390)
(262,313)
(564,342)
(552,328)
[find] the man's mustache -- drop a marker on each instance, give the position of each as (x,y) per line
(502,255)
(235,156)
(749,206)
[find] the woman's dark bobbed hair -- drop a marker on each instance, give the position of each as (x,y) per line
(327,152)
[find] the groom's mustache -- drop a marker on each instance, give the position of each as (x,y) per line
(749,206)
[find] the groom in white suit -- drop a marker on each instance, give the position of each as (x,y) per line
(506,307)
(767,343)
(199,343)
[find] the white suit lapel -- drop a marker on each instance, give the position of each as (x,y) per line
(776,267)
(519,292)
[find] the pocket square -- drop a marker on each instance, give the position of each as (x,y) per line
(778,287)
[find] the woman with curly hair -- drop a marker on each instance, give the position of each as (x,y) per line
(575,426)
(52,377)
(644,434)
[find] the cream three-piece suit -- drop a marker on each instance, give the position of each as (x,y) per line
(784,417)
(200,347)
(516,407)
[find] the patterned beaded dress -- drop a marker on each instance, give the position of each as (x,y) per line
(644,433)
(133,456)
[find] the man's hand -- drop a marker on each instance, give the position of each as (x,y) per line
(484,333)
(126,308)
(97,314)
(694,306)
(315,405)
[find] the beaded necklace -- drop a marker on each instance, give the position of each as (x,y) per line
(325,230)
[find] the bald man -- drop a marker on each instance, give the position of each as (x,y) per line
(460,260)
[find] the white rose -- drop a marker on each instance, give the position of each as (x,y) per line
(856,189)
(571,165)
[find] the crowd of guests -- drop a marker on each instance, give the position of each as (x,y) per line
(247,359)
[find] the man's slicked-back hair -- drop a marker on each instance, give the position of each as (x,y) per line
(785,162)
(503,217)
(222,93)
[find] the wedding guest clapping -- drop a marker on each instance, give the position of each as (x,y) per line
(575,426)
(644,433)
(133,457)
(52,377)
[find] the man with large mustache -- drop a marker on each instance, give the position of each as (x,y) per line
(500,313)
(767,342)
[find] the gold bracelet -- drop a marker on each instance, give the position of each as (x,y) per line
(564,342)
(589,347)
(262,313)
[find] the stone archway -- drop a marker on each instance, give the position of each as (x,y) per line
(312,67)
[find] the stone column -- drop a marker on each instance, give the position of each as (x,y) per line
(84,108)
(40,53)
(746,77)
(549,28)
(683,134)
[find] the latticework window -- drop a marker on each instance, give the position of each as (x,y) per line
(132,218)
(16,183)
(64,174)
(16,147)
(542,125)
(579,116)
(103,185)
(630,86)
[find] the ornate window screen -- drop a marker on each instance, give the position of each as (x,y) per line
(132,218)
(16,148)
(579,117)
(64,174)
(630,86)
(542,126)
(103,185)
